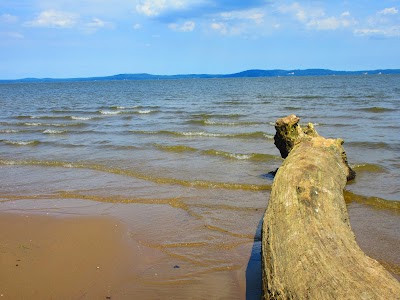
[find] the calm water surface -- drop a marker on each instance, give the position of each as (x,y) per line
(185,163)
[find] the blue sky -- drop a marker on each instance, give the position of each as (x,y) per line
(82,38)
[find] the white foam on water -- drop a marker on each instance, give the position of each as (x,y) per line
(51,131)
(80,118)
(109,112)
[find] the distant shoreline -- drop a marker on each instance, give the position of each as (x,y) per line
(255,73)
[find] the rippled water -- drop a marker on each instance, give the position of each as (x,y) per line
(197,151)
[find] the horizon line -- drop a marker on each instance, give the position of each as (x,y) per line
(244,73)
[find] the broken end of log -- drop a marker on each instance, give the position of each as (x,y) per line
(289,133)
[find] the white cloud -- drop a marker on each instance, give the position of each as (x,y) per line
(330,23)
(219,27)
(383,24)
(301,13)
(153,8)
(235,29)
(248,23)
(137,26)
(254,15)
(388,32)
(388,11)
(54,18)
(185,27)
(7,18)
(315,17)
(96,24)
(345,14)
(100,8)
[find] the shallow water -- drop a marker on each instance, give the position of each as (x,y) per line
(185,163)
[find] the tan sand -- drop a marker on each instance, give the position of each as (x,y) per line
(45,257)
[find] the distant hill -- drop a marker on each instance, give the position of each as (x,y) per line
(243,74)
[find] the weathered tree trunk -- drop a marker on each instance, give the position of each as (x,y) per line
(308,248)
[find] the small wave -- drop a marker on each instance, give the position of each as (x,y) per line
(132,173)
(219,123)
(81,118)
(120,147)
(52,131)
(216,116)
(231,103)
(341,125)
(375,202)
(368,168)
(304,125)
(369,145)
(238,156)
(9,131)
(34,124)
(376,109)
(123,107)
(212,152)
(109,112)
(115,107)
(292,108)
(41,117)
(21,143)
(310,97)
(135,112)
(176,148)
(255,135)
(305,97)
(146,111)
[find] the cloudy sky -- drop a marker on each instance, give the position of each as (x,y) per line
(81,38)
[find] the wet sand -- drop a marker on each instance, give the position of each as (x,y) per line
(378,235)
(45,257)
(75,257)
(114,251)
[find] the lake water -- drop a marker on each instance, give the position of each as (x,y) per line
(185,163)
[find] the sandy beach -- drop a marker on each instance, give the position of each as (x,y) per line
(46,257)
(74,257)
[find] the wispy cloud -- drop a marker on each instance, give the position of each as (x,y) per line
(67,20)
(238,22)
(332,23)
(388,11)
(96,24)
(316,18)
(137,26)
(54,19)
(393,31)
(153,8)
(8,19)
(383,24)
(300,13)
(173,10)
(185,27)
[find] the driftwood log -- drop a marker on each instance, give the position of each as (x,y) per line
(308,248)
